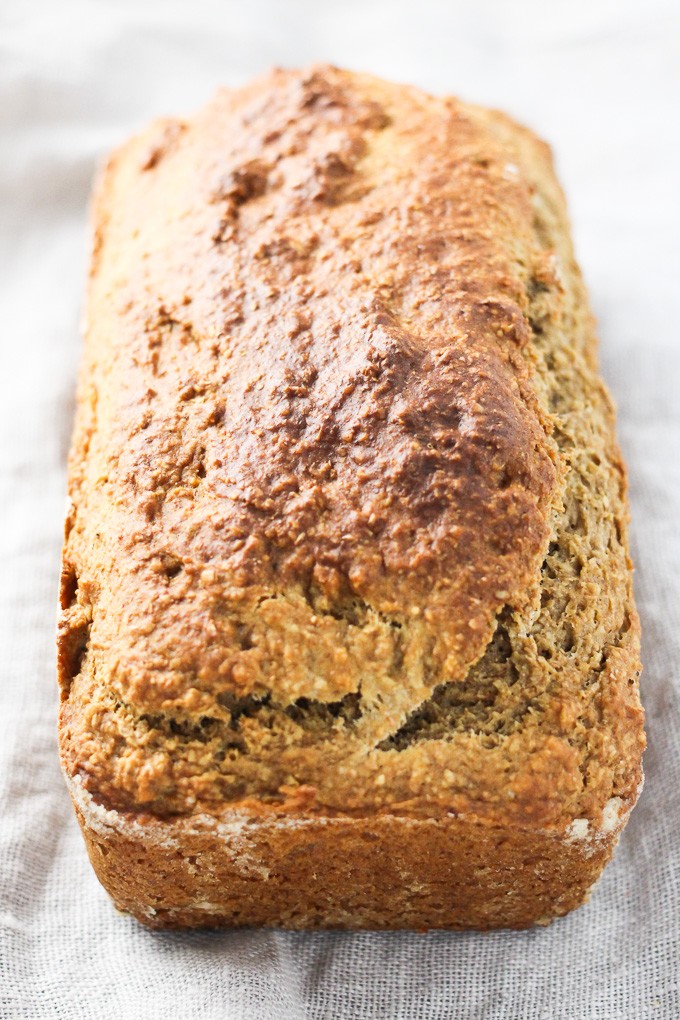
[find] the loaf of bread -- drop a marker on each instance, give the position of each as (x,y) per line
(348,636)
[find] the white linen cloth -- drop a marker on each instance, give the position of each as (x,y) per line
(600,81)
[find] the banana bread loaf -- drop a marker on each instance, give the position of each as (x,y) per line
(348,636)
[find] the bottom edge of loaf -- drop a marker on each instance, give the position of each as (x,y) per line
(382,872)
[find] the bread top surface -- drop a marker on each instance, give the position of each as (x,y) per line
(348,522)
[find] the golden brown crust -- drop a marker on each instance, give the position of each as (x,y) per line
(348,525)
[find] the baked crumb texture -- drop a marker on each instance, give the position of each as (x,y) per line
(348,635)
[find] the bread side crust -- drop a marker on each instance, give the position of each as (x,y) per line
(383,872)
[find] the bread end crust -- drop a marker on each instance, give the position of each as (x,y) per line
(369,873)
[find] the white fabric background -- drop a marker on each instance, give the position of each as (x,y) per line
(601,81)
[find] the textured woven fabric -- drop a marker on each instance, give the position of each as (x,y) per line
(600,80)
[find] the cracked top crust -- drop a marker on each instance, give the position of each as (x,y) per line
(348,522)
